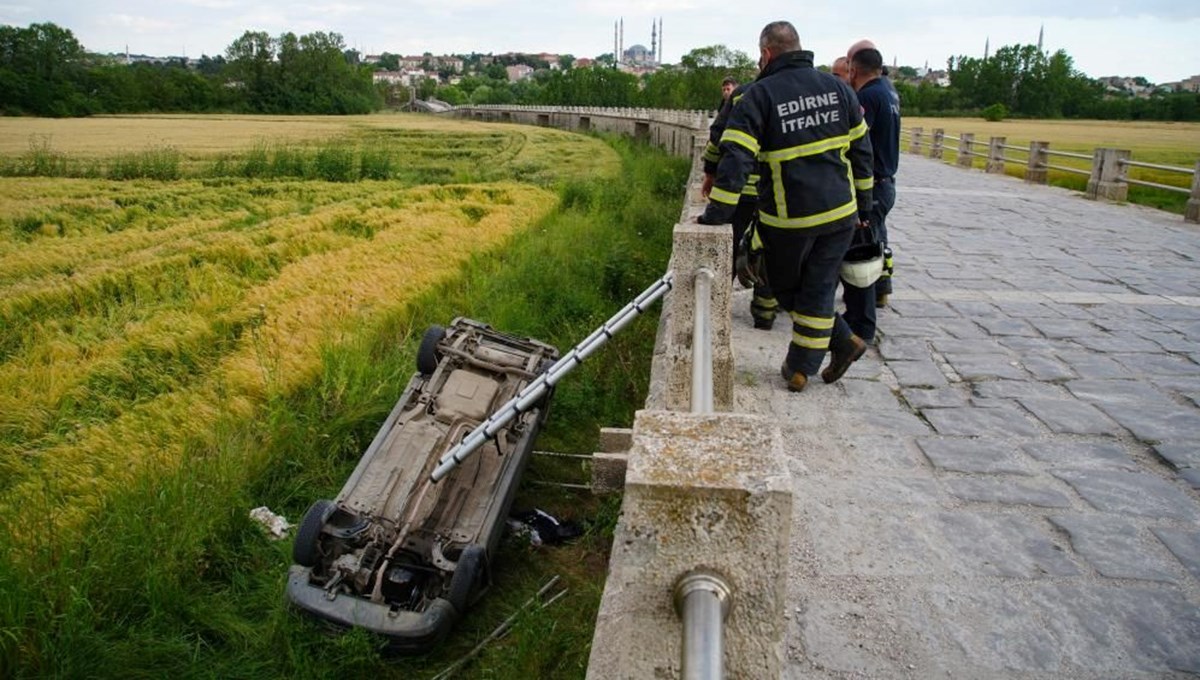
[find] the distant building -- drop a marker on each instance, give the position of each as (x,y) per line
(638,55)
(1125,86)
(1187,85)
(372,59)
(391,77)
(583,62)
(518,72)
(940,78)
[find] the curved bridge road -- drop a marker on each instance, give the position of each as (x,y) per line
(1007,485)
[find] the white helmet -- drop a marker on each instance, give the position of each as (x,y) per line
(863,273)
(863,263)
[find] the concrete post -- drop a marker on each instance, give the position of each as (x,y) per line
(995,161)
(1108,175)
(705,492)
(695,246)
(914,145)
(966,142)
(935,149)
(1036,171)
(1192,212)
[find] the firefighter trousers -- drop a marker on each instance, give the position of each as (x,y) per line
(803,273)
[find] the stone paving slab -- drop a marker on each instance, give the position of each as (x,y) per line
(1008,484)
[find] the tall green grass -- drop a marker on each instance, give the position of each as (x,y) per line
(173,580)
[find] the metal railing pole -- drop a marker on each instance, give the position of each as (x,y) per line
(702,601)
(528,397)
(702,369)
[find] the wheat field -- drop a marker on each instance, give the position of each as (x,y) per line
(134,314)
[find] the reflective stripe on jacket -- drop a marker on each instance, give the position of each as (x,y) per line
(804,131)
(712,152)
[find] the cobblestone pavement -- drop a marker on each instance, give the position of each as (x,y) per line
(1007,485)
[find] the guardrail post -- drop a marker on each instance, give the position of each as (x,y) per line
(702,492)
(695,246)
(965,144)
(914,146)
(939,138)
(1192,212)
(1036,171)
(1108,175)
(995,161)
(702,601)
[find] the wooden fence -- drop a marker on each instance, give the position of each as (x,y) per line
(1108,176)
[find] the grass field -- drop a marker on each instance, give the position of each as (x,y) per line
(1176,144)
(176,351)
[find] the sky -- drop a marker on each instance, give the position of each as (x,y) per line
(1157,39)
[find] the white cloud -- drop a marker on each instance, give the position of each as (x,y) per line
(139,24)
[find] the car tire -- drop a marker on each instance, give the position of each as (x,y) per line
(468,576)
(427,354)
(306,551)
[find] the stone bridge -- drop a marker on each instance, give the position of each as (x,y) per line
(1006,486)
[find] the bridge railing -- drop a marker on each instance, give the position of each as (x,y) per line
(706,514)
(1107,169)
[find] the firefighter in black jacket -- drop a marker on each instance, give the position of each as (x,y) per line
(762,306)
(803,130)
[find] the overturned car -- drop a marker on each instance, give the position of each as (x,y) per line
(396,552)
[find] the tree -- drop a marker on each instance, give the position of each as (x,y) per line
(389,61)
(42,71)
(566,61)
(496,71)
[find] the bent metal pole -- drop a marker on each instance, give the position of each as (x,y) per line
(529,396)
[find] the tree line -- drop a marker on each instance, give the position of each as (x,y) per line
(45,71)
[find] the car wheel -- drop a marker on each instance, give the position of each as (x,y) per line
(468,576)
(427,354)
(306,551)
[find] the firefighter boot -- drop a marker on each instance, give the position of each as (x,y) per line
(841,360)
(795,379)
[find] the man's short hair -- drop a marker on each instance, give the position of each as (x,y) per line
(779,37)
(729,80)
(868,60)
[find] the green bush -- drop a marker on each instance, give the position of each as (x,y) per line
(995,113)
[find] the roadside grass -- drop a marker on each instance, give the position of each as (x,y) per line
(171,578)
(1176,144)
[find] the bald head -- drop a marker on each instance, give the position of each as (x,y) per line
(841,69)
(860,45)
(779,37)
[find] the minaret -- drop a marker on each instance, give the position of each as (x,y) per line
(1041,32)
(986,42)
(621,55)
(616,47)
(660,40)
(653,41)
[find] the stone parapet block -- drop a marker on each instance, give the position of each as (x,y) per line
(696,246)
(608,472)
(702,491)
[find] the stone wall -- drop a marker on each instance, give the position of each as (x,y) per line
(702,491)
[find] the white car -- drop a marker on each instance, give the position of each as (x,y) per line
(396,553)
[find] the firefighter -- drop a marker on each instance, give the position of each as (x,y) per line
(762,305)
(881,108)
(804,130)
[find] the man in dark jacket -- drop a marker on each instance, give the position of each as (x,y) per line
(762,305)
(881,109)
(804,131)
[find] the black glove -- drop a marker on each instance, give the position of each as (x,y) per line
(750,264)
(717,213)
